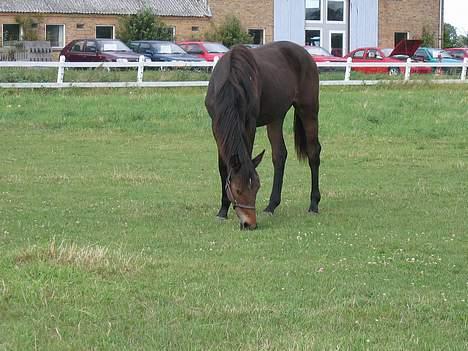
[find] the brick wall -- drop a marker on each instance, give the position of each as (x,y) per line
(185,28)
(252,14)
(407,16)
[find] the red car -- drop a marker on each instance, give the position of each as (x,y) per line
(321,55)
(206,50)
(458,53)
(403,50)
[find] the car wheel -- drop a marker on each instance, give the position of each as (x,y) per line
(393,71)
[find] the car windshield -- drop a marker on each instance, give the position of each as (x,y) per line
(317,50)
(168,48)
(387,51)
(215,48)
(112,45)
(440,53)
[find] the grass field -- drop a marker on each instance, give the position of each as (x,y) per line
(108,237)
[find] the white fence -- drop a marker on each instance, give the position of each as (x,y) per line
(140,66)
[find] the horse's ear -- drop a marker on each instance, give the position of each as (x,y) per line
(256,161)
(235,163)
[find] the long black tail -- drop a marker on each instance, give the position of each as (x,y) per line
(300,140)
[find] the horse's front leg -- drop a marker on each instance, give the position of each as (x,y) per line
(279,156)
(225,203)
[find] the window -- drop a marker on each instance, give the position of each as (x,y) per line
(104,32)
(313,10)
(144,47)
(11,32)
(399,36)
(55,33)
(257,35)
(337,44)
(313,37)
(78,46)
(359,54)
(80,26)
(335,11)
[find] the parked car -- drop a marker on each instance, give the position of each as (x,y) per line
(98,50)
(403,50)
(162,51)
(322,55)
(436,55)
(203,49)
(458,53)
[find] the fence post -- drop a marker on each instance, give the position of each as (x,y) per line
(141,67)
(464,68)
(407,69)
(61,70)
(348,69)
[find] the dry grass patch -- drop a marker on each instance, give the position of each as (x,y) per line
(90,257)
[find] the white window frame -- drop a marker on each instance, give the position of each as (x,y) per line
(104,25)
(344,40)
(345,11)
(322,2)
(64,34)
(256,28)
(321,33)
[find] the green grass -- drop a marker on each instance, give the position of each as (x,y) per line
(108,236)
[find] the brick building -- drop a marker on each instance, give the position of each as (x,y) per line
(337,25)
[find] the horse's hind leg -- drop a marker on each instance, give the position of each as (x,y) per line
(223,211)
(279,155)
(309,118)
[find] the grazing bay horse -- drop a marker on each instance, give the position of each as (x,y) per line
(250,88)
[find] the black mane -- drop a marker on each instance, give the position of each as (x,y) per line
(236,104)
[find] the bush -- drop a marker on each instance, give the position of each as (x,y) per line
(144,25)
(229,33)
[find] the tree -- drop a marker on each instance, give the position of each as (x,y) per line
(29,26)
(450,36)
(427,37)
(144,25)
(230,32)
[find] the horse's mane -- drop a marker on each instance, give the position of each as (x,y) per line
(236,102)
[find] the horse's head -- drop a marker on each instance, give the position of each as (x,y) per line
(242,185)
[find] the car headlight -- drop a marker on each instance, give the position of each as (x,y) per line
(121,60)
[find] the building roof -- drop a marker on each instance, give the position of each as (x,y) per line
(177,8)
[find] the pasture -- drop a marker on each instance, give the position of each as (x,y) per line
(109,241)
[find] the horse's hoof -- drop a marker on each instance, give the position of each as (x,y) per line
(313,211)
(221,218)
(268,211)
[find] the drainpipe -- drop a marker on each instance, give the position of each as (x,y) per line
(441,24)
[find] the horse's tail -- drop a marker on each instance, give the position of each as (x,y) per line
(300,140)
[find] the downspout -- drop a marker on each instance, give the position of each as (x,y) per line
(441,24)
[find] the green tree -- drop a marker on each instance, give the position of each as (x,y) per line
(144,25)
(450,36)
(230,32)
(29,26)
(427,37)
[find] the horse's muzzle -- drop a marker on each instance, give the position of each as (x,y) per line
(247,226)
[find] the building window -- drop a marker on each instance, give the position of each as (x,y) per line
(313,37)
(195,28)
(11,32)
(257,36)
(104,32)
(80,26)
(335,10)
(337,43)
(313,10)
(55,33)
(399,36)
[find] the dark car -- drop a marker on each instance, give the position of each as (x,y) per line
(98,50)
(162,51)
